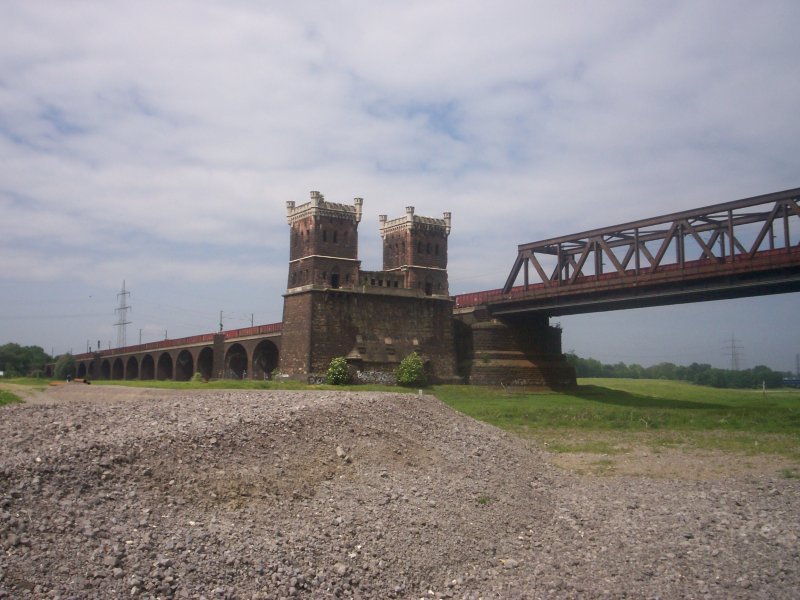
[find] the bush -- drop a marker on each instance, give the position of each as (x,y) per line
(411,371)
(338,373)
(197,377)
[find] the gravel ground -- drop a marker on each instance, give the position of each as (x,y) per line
(132,493)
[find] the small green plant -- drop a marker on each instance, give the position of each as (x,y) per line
(338,373)
(483,500)
(197,377)
(411,372)
(790,474)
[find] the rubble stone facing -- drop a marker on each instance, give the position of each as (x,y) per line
(234,494)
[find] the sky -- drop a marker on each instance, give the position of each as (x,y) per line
(157,143)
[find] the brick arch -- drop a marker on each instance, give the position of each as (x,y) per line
(81,370)
(184,366)
(105,369)
(265,360)
(165,366)
(236,362)
(117,369)
(132,368)
(205,363)
(147,368)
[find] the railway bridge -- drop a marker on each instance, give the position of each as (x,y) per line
(745,247)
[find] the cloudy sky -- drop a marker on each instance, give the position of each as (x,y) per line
(157,143)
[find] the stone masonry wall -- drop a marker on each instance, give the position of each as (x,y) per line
(374,331)
(295,334)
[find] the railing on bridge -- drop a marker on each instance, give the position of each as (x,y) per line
(735,234)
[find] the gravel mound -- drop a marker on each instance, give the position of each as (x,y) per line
(153,494)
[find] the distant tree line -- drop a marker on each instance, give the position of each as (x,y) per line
(16,360)
(700,374)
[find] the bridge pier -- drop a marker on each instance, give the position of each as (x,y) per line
(218,362)
(519,352)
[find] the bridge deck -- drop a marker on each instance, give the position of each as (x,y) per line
(769,272)
(746,247)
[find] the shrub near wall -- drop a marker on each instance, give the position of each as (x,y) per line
(338,373)
(411,371)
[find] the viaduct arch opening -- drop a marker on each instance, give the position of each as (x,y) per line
(132,368)
(184,366)
(236,362)
(164,367)
(265,360)
(118,369)
(148,368)
(205,363)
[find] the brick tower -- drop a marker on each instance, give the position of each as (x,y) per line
(371,318)
(416,247)
(323,243)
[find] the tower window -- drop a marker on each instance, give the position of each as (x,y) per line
(324,235)
(437,249)
(334,236)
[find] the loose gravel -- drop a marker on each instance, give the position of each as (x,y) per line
(133,493)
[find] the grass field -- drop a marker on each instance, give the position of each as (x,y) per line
(609,416)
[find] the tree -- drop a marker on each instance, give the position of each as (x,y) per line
(22,360)
(65,366)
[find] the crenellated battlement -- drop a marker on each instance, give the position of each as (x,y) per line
(319,207)
(413,221)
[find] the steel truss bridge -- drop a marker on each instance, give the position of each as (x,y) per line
(747,247)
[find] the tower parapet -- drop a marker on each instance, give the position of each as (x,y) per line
(416,246)
(319,207)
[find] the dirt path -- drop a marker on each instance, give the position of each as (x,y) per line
(129,492)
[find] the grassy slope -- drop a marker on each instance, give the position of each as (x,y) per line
(607,415)
(632,405)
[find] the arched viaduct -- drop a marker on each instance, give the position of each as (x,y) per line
(248,353)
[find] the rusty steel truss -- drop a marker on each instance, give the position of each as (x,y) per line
(739,248)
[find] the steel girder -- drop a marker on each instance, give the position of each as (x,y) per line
(729,234)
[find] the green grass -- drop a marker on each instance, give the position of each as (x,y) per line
(34,382)
(8,398)
(608,416)
(631,405)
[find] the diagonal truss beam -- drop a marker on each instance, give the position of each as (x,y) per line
(722,232)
